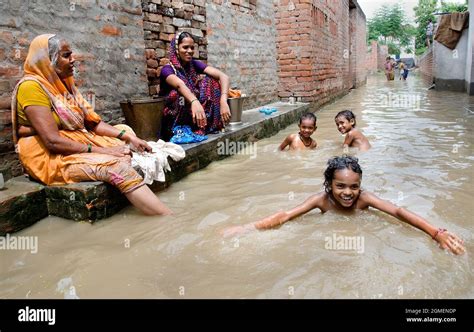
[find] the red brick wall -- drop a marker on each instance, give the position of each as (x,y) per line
(313,45)
(425,63)
(375,60)
(160,22)
(358,46)
(382,54)
(242,44)
(371,60)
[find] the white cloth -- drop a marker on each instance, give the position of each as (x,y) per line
(154,164)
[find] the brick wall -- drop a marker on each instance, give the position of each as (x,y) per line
(161,20)
(313,46)
(371,59)
(376,58)
(358,45)
(425,63)
(241,42)
(107,39)
(382,54)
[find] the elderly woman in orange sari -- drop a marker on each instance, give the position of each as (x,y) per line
(59,137)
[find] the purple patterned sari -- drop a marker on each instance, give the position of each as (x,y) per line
(177,112)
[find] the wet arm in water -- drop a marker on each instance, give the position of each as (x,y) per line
(447,240)
(285,143)
(348,140)
(278,218)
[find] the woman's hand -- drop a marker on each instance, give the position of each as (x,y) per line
(118,151)
(225,111)
(138,144)
(199,116)
(450,241)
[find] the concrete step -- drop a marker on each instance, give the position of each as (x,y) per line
(22,203)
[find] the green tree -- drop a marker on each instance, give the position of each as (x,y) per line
(450,7)
(424,11)
(389,26)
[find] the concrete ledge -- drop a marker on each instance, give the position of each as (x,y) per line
(22,203)
(255,126)
(25,202)
(450,85)
(84,201)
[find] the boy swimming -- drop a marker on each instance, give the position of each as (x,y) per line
(346,122)
(343,193)
(302,140)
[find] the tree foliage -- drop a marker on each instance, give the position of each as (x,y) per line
(389,26)
(450,7)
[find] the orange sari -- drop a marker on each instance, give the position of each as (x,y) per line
(73,111)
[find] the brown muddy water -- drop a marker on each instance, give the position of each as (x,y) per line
(421,159)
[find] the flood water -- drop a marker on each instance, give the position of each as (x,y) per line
(421,159)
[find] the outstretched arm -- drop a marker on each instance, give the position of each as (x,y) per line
(446,239)
(278,218)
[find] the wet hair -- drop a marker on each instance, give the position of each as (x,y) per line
(348,115)
(308,116)
(54,45)
(338,163)
(181,35)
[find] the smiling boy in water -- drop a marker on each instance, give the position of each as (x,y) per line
(346,122)
(343,193)
(302,140)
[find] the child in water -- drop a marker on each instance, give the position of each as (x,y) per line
(302,140)
(343,193)
(346,122)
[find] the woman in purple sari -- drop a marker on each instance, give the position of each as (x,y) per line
(190,100)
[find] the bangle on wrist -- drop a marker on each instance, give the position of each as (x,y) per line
(119,136)
(439,231)
(192,101)
(89,148)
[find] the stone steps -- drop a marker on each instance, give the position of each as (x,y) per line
(24,202)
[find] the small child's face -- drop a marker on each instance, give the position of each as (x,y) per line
(344,125)
(307,127)
(345,187)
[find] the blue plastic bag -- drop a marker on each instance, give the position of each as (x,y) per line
(184,135)
(267,111)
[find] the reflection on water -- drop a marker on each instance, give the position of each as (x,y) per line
(421,159)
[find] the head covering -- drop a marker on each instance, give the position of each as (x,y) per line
(68,103)
(188,73)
